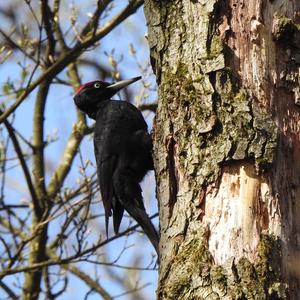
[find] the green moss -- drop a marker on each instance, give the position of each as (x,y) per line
(193,274)
(249,283)
(219,279)
(193,261)
(215,122)
(260,280)
(215,48)
(269,256)
(180,287)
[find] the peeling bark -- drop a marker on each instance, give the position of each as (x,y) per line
(227,144)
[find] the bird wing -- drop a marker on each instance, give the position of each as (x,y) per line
(115,124)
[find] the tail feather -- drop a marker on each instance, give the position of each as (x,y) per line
(118,211)
(140,215)
(128,192)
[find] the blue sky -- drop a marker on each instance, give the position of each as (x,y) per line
(60,115)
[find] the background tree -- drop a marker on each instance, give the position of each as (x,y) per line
(51,242)
(227,141)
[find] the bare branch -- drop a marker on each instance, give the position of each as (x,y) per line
(73,258)
(9,292)
(152,107)
(22,160)
(41,45)
(95,286)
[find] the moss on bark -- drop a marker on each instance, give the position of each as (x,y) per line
(214,116)
(193,274)
(215,121)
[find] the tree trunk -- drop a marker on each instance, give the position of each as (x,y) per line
(227,147)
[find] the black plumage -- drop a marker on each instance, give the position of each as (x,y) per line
(123,152)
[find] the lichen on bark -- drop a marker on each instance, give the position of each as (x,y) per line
(193,274)
(259,280)
(215,121)
(216,133)
(189,271)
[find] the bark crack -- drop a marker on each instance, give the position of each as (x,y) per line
(173,175)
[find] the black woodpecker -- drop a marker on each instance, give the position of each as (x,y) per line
(123,148)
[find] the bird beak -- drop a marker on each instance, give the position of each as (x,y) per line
(115,87)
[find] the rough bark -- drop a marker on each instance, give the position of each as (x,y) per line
(226,143)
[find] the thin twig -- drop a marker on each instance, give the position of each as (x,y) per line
(73,258)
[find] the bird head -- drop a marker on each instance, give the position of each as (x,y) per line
(91,94)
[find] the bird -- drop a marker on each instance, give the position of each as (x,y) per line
(123,152)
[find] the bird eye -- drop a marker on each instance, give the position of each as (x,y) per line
(97,85)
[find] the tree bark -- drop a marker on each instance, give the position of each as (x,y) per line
(227,147)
